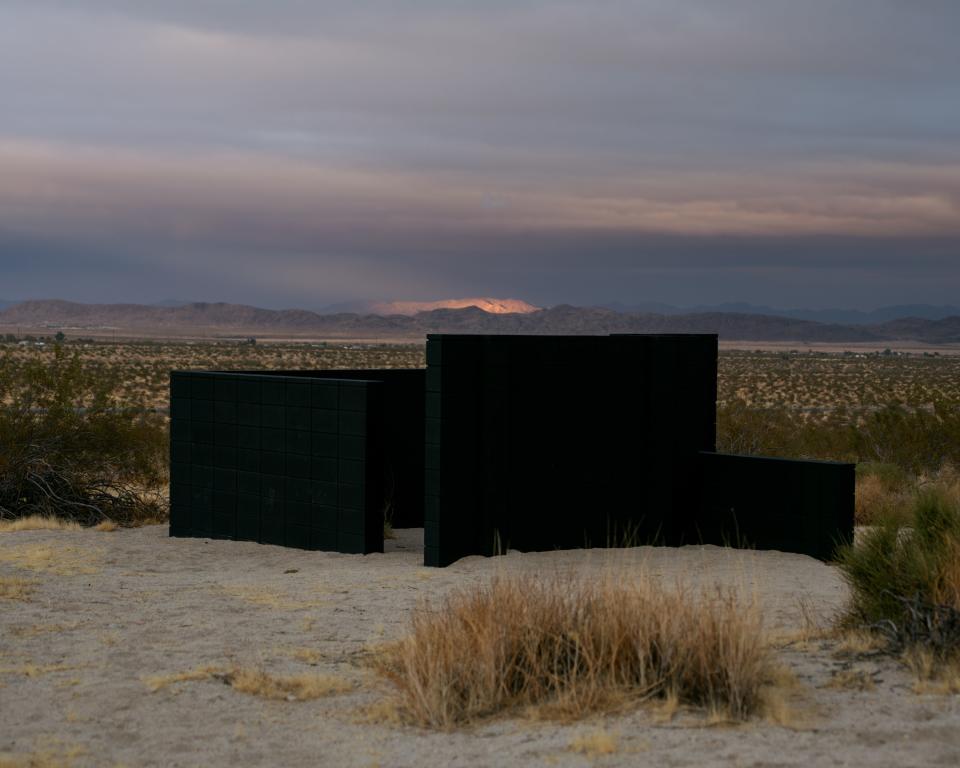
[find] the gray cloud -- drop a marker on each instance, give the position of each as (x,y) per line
(407,148)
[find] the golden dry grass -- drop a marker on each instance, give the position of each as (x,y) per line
(158,682)
(571,646)
(851,679)
(12,588)
(56,559)
(876,500)
(107,526)
(934,675)
(35,670)
(594,744)
(256,681)
(33,630)
(858,642)
(37,523)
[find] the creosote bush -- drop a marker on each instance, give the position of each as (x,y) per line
(571,646)
(904,576)
(69,450)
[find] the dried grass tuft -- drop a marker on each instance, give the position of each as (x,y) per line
(157,682)
(37,523)
(594,744)
(54,559)
(851,680)
(258,682)
(15,589)
(571,646)
(933,674)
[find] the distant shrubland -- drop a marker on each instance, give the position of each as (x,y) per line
(71,449)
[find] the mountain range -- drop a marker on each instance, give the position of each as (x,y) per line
(200,318)
(841,316)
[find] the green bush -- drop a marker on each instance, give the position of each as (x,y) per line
(914,440)
(905,579)
(69,450)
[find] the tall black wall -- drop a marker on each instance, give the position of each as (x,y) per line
(539,442)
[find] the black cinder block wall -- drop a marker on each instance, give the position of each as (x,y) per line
(770,503)
(290,460)
(403,435)
(526,442)
(537,442)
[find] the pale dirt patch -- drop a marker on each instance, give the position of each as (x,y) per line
(175,606)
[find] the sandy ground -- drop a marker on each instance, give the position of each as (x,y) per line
(101,612)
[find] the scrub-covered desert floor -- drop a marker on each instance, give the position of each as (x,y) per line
(122,648)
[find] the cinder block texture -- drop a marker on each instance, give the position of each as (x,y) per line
(290,460)
(402,430)
(768,503)
(537,442)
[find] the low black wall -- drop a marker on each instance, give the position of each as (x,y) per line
(769,503)
(290,460)
(539,442)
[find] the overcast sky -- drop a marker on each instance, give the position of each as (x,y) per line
(302,153)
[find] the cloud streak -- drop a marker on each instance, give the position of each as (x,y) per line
(346,142)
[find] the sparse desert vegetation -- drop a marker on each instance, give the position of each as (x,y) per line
(141,369)
(70,448)
(571,647)
(498,642)
(103,404)
(897,410)
(904,578)
(138,653)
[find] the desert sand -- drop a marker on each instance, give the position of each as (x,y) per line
(96,615)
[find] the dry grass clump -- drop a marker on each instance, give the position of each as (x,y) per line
(905,580)
(852,680)
(258,682)
(884,492)
(12,588)
(59,560)
(571,646)
(594,744)
(37,523)
(934,675)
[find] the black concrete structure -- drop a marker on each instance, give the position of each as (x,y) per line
(768,503)
(402,431)
(524,442)
(280,459)
(567,441)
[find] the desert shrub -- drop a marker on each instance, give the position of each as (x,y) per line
(781,431)
(574,646)
(916,440)
(911,440)
(69,450)
(884,492)
(905,578)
